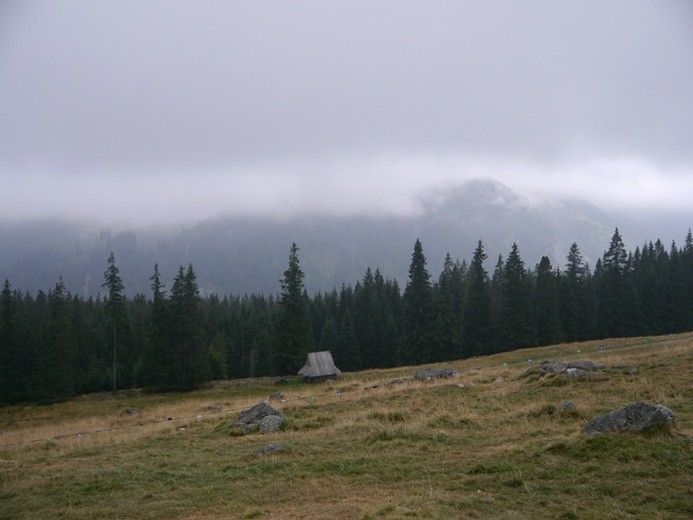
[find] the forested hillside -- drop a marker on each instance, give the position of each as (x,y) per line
(239,255)
(55,344)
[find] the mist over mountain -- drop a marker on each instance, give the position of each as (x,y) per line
(244,255)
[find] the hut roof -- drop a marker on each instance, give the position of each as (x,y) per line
(319,364)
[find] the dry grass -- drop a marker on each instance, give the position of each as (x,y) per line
(487,444)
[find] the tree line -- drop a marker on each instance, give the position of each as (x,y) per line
(55,345)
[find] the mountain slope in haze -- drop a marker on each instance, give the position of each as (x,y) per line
(233,255)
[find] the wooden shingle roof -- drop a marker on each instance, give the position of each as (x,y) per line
(319,364)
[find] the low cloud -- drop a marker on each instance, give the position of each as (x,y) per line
(157,112)
(385,184)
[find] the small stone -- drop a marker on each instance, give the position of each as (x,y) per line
(566,406)
(271,448)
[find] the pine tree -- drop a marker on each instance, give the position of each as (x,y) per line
(294,338)
(477,331)
(115,307)
(418,311)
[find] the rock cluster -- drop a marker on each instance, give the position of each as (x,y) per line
(574,369)
(427,374)
(637,417)
(262,416)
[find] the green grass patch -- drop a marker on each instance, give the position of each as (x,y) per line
(418,450)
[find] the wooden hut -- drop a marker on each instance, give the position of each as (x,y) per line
(319,366)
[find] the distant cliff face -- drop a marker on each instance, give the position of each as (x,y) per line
(236,256)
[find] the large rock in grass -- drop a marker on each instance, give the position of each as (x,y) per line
(271,423)
(427,374)
(636,418)
(252,419)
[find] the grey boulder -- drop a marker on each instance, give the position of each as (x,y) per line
(637,417)
(251,419)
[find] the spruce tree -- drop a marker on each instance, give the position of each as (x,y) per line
(12,369)
(575,304)
(685,261)
(547,314)
(418,311)
(366,318)
(516,316)
(347,355)
(477,331)
(157,373)
(329,336)
(388,319)
(294,338)
(57,354)
(616,296)
(675,283)
(191,356)
(447,326)
(115,307)
(218,357)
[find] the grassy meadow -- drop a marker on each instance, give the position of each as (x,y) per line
(490,443)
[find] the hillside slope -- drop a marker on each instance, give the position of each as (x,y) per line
(490,443)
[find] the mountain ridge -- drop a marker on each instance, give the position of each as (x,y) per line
(247,255)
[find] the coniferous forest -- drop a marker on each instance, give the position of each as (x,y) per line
(54,345)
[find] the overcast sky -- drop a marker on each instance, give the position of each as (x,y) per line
(151,111)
